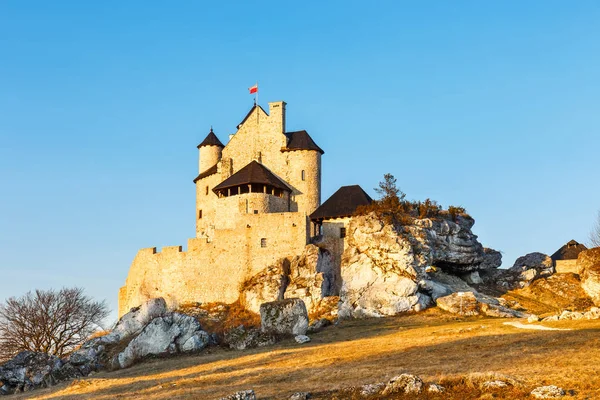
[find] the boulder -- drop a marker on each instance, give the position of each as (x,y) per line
(404,383)
(588,263)
(371,389)
(168,334)
(300,396)
(547,392)
(243,395)
(285,317)
(435,388)
(241,338)
(492,259)
(302,339)
(135,320)
(473,303)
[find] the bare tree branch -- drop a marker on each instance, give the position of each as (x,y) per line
(48,321)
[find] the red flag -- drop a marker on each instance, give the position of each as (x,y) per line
(253,89)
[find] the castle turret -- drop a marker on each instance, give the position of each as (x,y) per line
(304,157)
(210,151)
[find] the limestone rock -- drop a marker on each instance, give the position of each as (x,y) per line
(309,276)
(435,388)
(135,320)
(29,370)
(241,338)
(285,317)
(525,270)
(494,385)
(371,389)
(404,383)
(300,396)
(588,262)
(461,303)
(302,339)
(492,259)
(243,395)
(547,392)
(167,334)
(473,303)
(533,318)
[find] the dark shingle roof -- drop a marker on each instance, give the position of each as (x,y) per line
(342,203)
(208,172)
(569,251)
(249,114)
(252,173)
(211,140)
(300,140)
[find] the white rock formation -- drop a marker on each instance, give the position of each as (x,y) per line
(284,317)
(547,392)
(168,334)
(589,272)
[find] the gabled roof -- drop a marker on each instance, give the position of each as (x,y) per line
(342,203)
(300,140)
(569,251)
(212,170)
(211,140)
(249,114)
(254,172)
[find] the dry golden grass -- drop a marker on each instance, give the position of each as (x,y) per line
(435,346)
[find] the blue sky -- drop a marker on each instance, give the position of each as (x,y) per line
(488,105)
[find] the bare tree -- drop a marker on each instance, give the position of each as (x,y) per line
(52,322)
(595,233)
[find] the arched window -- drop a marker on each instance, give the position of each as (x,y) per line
(303,175)
(207,190)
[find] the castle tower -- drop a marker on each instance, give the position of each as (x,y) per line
(304,175)
(210,152)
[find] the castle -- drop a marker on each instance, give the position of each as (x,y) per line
(258,199)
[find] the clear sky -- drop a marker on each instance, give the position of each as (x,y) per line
(490,105)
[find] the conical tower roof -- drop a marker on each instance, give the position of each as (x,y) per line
(211,140)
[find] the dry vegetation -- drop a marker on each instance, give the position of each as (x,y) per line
(435,346)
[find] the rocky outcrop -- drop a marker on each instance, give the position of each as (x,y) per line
(588,263)
(309,276)
(404,383)
(29,370)
(525,270)
(285,317)
(243,395)
(386,270)
(168,334)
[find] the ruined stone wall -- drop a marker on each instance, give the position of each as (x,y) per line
(335,244)
(213,269)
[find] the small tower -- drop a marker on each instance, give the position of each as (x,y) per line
(210,151)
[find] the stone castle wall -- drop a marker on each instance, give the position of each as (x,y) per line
(213,269)
(565,266)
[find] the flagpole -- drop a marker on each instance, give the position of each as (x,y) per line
(256,98)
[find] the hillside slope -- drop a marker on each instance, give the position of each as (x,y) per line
(433,345)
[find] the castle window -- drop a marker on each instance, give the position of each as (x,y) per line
(342,233)
(199,214)
(255,211)
(207,190)
(303,175)
(263,242)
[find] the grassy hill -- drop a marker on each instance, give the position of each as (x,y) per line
(436,346)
